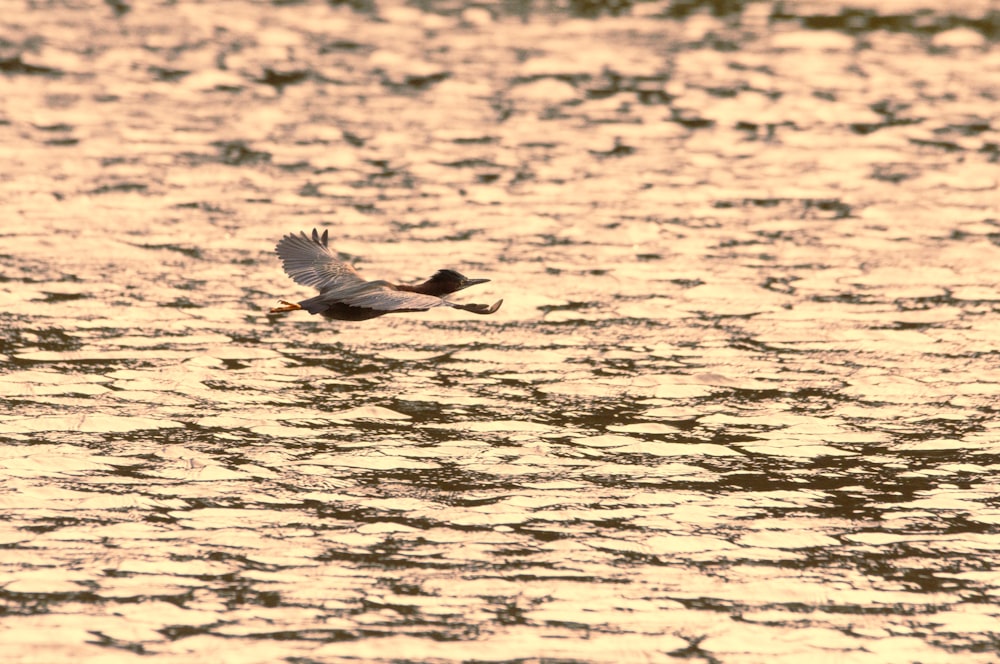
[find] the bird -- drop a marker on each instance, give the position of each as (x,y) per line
(346,295)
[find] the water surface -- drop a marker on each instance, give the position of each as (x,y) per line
(739,405)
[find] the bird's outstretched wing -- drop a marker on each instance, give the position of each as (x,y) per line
(309,261)
(382,297)
(374,296)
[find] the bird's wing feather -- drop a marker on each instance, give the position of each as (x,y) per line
(308,261)
(381,296)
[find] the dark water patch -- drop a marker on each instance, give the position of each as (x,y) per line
(15,65)
(120,187)
(940,144)
(691,121)
(16,338)
(107,642)
(239,153)
(58,127)
(618,150)
(413,81)
(928,20)
(894,173)
(807,208)
(178,632)
(167,74)
(343,45)
(866,128)
(281,78)
(62,142)
(190,251)
(182,303)
(33,603)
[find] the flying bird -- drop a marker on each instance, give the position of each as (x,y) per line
(345,295)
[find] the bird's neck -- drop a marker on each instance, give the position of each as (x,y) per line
(426,288)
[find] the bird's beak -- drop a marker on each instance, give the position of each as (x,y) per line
(472,282)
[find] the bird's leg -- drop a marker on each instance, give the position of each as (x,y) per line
(479,308)
(288,306)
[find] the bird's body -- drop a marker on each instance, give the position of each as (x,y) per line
(346,295)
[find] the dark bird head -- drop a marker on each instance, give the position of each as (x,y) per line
(444,282)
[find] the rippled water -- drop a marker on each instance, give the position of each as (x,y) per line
(739,405)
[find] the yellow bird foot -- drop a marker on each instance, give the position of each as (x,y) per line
(288,306)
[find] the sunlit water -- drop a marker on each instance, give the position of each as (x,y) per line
(739,404)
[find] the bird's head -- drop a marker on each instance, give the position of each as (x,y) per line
(447,281)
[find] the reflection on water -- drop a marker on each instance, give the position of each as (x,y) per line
(738,406)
